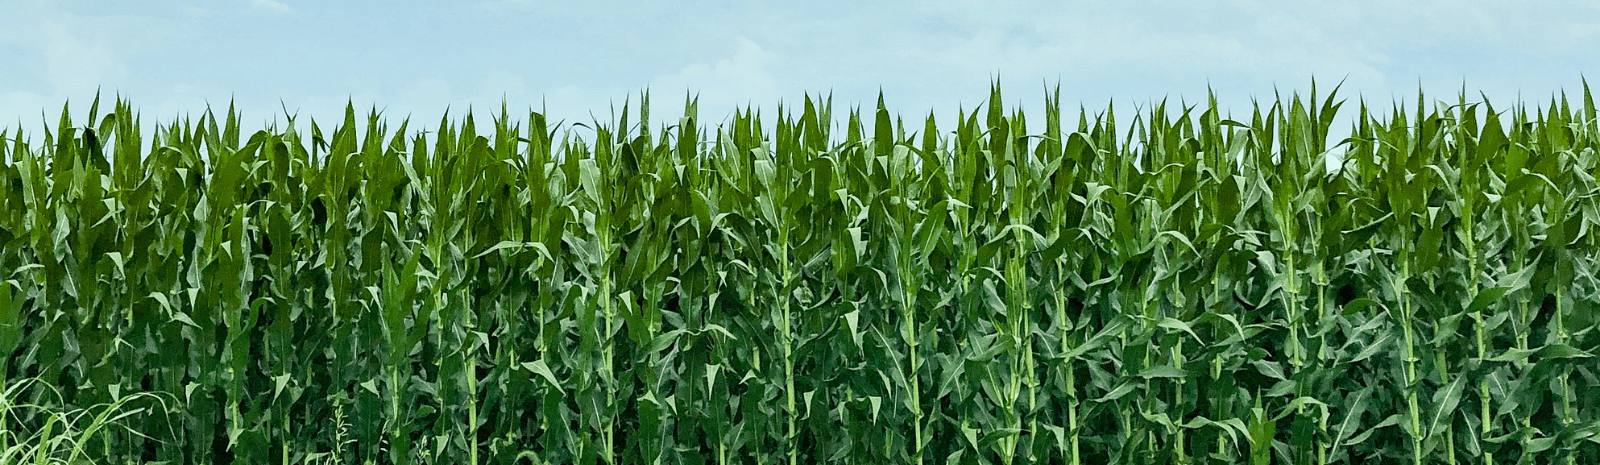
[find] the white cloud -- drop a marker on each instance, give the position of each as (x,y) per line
(56,55)
(77,63)
(271,6)
(25,112)
(507,4)
(77,53)
(431,93)
(735,81)
(496,86)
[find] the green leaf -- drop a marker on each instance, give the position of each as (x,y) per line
(1176,325)
(538,367)
(506,245)
(1163,371)
(1562,351)
(1270,369)
(1445,402)
(1120,391)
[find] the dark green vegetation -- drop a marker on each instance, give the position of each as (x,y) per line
(1184,290)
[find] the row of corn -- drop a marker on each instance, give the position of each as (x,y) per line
(1184,288)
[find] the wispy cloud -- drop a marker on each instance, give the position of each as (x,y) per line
(500,5)
(270,6)
(737,80)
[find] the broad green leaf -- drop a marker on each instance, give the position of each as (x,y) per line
(539,367)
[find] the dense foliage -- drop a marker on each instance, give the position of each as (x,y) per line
(1190,289)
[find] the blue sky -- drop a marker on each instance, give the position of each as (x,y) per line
(577,58)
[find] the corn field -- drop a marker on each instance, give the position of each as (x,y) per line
(1182,289)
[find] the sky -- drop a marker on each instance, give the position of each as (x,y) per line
(580,60)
